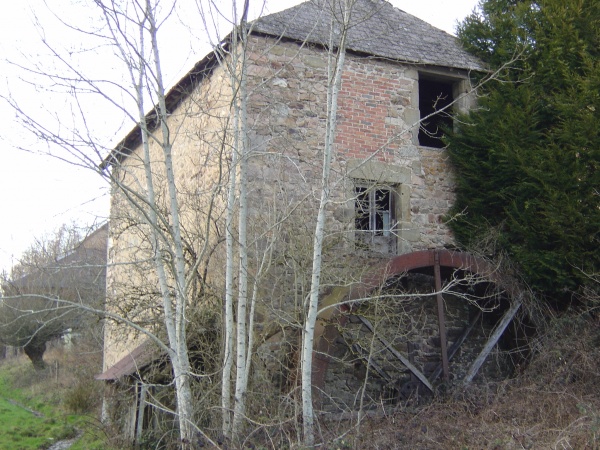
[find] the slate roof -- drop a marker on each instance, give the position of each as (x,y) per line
(377,28)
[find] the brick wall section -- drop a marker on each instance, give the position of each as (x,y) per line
(371,105)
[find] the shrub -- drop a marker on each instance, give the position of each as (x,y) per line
(82,398)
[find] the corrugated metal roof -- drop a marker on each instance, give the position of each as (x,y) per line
(377,28)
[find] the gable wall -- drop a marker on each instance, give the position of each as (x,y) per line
(199,128)
(376,141)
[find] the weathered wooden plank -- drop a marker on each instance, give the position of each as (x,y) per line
(143,389)
(422,378)
(376,367)
(454,347)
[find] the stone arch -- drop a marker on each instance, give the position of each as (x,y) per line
(338,301)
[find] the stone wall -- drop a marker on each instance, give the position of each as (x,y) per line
(376,141)
(200,128)
(377,126)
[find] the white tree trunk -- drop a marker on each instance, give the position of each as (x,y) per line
(175,321)
(335,67)
(242,360)
(232,426)
(228,307)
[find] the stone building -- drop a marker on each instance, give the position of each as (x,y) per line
(391,188)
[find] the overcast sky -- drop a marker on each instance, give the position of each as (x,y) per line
(39,193)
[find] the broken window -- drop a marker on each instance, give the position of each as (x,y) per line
(375,219)
(434,95)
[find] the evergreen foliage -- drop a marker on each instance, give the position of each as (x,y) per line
(528,159)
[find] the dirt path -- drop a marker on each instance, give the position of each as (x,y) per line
(16,403)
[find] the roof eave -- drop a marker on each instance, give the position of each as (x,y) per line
(201,70)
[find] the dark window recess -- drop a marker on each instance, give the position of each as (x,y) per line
(434,96)
(374,219)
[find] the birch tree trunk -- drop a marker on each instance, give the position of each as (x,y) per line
(228,307)
(335,67)
(176,328)
(237,73)
(242,367)
(174,302)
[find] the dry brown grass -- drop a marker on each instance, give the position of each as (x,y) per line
(69,376)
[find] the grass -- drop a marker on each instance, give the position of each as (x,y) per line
(552,403)
(33,411)
(27,421)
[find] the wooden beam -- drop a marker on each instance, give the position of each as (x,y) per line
(441,316)
(365,357)
(454,347)
(493,340)
(139,427)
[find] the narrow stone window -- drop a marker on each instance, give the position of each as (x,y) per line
(375,218)
(434,95)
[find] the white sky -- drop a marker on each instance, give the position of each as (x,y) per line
(39,193)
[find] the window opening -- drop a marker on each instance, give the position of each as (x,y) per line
(374,218)
(434,96)
(374,210)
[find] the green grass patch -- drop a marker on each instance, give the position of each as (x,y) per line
(22,426)
(33,413)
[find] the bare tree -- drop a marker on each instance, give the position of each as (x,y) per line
(147,200)
(132,31)
(336,55)
(69,266)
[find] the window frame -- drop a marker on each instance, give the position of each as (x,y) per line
(377,211)
(372,233)
(369,173)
